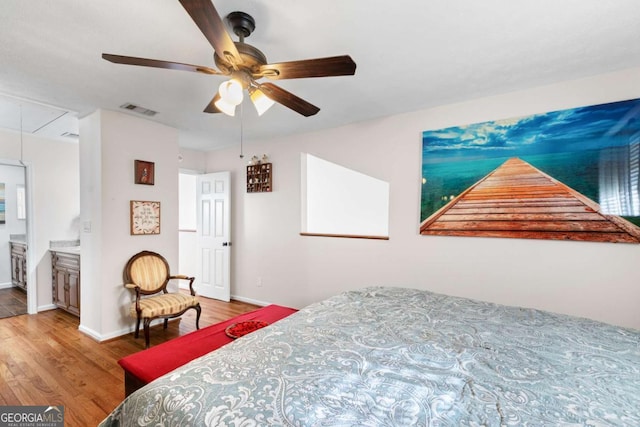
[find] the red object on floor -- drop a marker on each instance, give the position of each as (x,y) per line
(147,365)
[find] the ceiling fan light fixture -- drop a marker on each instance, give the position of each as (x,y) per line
(225,107)
(261,101)
(231,92)
(243,64)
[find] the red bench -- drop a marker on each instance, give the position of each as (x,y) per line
(145,366)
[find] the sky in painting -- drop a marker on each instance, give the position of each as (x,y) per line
(583,128)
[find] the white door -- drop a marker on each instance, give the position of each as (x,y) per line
(213,231)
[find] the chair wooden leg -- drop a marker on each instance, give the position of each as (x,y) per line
(137,334)
(198,310)
(147,321)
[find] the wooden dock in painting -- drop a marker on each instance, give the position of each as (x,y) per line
(519,201)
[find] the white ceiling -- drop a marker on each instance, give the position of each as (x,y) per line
(410,55)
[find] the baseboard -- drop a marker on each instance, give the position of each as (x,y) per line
(93,334)
(124,331)
(105,337)
(250,300)
(6,285)
(116,334)
(47,307)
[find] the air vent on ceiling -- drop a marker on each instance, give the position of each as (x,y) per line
(70,135)
(139,110)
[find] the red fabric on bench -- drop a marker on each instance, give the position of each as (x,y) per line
(147,365)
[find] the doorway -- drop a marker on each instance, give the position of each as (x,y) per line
(13,302)
(13,240)
(204,232)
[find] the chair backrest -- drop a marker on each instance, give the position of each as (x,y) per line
(148,270)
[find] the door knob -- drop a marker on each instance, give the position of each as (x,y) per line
(226,244)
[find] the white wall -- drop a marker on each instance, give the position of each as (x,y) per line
(596,280)
(11,176)
(56,199)
(109,144)
(339,200)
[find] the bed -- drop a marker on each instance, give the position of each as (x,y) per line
(384,356)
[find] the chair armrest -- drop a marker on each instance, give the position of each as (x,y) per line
(136,288)
(190,279)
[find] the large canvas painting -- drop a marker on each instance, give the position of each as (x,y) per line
(565,175)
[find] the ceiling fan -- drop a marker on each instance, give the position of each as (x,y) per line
(245,64)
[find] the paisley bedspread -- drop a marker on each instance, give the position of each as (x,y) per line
(403,357)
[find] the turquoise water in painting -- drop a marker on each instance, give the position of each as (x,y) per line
(579,170)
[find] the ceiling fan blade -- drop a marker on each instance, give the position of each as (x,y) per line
(206,17)
(288,99)
(211,108)
(156,63)
(319,67)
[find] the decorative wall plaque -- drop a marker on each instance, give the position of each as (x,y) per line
(145,217)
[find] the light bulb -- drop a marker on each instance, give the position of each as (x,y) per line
(231,92)
(225,107)
(261,101)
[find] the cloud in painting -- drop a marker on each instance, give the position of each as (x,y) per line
(582,128)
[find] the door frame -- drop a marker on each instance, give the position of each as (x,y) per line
(32,286)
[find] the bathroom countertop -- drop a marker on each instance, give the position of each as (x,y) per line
(65,246)
(18,238)
(66,249)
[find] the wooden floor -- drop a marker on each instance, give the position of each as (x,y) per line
(45,360)
(13,302)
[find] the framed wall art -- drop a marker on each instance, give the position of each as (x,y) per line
(144,172)
(563,175)
(145,217)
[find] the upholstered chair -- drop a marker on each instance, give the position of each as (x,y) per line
(147,273)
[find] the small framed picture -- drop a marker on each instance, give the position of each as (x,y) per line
(145,217)
(143,172)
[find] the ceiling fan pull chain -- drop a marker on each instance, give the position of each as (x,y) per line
(241,132)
